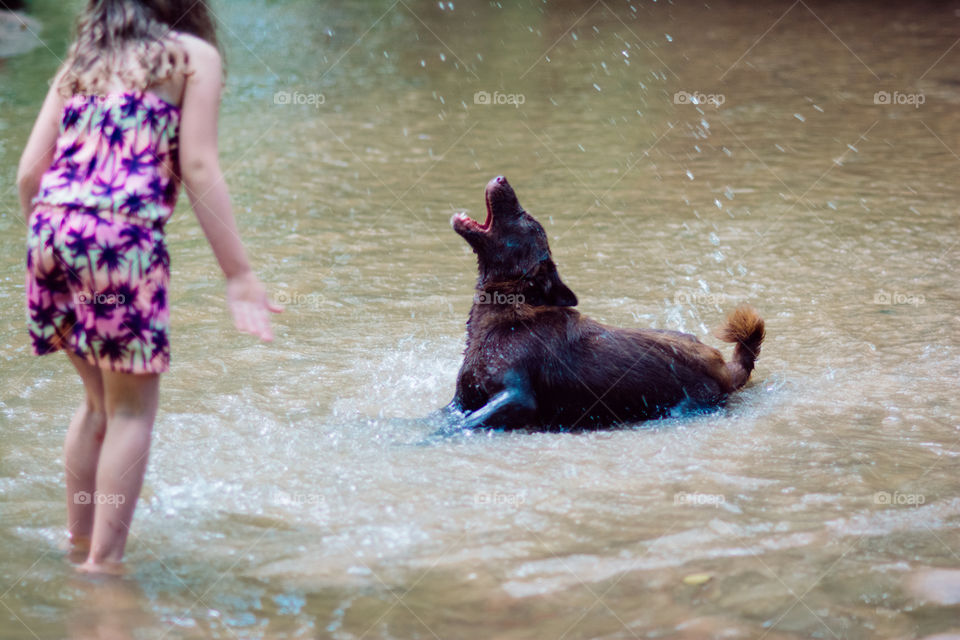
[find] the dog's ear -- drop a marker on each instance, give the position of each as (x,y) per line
(559,294)
(545,288)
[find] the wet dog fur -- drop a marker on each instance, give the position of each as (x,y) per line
(532,361)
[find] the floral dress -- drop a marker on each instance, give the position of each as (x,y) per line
(97,263)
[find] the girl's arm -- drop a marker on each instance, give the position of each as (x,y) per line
(200,170)
(38,155)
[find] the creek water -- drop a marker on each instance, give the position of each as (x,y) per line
(683,157)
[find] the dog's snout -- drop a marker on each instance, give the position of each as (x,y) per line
(496,184)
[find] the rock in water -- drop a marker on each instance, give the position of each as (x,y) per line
(940,586)
(696,579)
(18,33)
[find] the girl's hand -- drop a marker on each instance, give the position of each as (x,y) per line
(249,304)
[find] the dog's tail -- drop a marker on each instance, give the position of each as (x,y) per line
(745,328)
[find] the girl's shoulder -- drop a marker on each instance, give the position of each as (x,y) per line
(199,51)
(201,61)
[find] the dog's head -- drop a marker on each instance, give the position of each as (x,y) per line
(512,250)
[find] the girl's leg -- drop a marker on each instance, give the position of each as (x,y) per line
(80,454)
(131,406)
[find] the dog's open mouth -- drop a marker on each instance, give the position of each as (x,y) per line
(462,221)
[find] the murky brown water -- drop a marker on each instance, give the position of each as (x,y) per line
(289,494)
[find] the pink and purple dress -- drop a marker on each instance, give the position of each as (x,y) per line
(97,263)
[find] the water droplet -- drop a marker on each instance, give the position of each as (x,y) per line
(669,39)
(799,117)
(596,86)
(689,175)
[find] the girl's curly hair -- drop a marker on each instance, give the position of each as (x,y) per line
(132,40)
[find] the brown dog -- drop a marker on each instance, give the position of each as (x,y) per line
(534,362)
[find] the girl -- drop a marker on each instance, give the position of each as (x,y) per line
(131,114)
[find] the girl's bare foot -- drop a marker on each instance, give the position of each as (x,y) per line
(102,568)
(78,548)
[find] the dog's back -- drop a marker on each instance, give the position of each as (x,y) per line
(583,373)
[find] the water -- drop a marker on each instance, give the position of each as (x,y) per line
(290,493)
